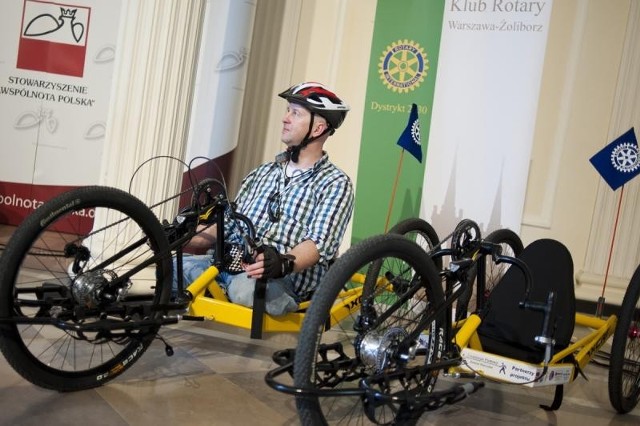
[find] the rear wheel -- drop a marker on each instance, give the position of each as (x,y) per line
(420,232)
(476,295)
(624,366)
(512,246)
(80,278)
(383,349)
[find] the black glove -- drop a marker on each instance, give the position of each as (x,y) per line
(276,265)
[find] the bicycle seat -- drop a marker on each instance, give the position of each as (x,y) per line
(507,329)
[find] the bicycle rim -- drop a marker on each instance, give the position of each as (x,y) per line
(65,269)
(364,349)
(624,369)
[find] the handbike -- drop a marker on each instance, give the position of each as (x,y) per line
(384,364)
(87,282)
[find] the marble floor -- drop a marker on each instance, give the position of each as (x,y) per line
(216,377)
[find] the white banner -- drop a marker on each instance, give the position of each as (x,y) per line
(56,65)
(484,113)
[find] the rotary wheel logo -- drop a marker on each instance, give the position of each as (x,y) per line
(624,158)
(403,66)
(415,131)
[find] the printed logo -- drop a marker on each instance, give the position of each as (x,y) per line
(624,158)
(53,38)
(403,66)
(415,132)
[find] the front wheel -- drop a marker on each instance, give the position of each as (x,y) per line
(383,348)
(624,368)
(80,279)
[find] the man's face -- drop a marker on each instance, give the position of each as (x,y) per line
(295,124)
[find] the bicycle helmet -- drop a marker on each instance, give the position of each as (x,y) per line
(318,100)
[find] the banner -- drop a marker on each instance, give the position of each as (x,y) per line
(55,81)
(402,71)
(484,112)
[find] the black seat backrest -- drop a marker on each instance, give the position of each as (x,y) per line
(509,330)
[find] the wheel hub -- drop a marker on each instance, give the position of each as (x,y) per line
(92,289)
(377,351)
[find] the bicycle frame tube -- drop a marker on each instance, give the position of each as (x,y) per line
(584,348)
(466,335)
(208,301)
(207,280)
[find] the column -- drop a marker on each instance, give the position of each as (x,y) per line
(154,76)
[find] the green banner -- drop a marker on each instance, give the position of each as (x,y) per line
(402,71)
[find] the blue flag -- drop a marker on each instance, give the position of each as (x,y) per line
(618,162)
(410,138)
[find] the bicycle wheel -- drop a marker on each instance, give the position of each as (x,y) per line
(80,278)
(511,246)
(465,240)
(624,364)
(416,230)
(422,233)
(475,298)
(370,347)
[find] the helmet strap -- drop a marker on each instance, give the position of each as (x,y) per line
(294,151)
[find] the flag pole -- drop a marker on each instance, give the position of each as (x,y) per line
(393,192)
(601,299)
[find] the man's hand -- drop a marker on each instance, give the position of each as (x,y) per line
(274,264)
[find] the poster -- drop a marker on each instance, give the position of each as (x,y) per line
(56,66)
(403,69)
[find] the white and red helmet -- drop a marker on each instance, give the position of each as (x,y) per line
(319,100)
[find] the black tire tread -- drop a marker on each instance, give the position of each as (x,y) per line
(11,345)
(623,403)
(372,248)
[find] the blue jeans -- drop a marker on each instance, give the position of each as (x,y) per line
(279,298)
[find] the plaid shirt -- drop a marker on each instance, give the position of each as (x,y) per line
(312,205)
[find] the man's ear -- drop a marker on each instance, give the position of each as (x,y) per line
(319,127)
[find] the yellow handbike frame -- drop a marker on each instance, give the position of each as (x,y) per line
(581,351)
(209,302)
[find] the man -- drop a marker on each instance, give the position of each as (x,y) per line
(300,205)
